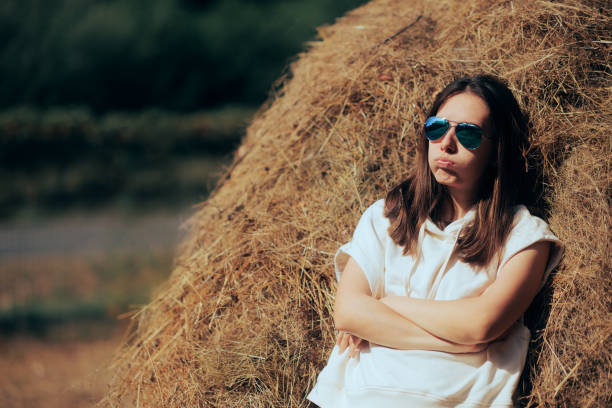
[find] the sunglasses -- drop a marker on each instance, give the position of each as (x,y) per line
(469,135)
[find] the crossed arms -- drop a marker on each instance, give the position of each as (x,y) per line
(455,326)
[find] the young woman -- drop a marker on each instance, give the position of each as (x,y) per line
(437,276)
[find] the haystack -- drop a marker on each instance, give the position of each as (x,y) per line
(245,318)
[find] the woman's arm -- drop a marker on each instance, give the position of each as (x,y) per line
(485,317)
(358,313)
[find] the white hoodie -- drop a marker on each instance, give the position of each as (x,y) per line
(386,377)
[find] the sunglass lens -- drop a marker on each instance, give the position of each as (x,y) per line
(469,135)
(435,127)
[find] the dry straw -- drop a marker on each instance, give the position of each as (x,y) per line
(245,318)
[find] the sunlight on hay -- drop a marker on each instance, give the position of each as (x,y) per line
(245,319)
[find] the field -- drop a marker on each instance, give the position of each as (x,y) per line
(63,284)
(56,373)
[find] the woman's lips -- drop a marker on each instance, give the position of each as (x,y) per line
(446,164)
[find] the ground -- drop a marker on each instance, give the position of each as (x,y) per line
(63,282)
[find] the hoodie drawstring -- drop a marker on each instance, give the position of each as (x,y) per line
(416,259)
(434,288)
(441,267)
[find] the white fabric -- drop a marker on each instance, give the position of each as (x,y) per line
(386,377)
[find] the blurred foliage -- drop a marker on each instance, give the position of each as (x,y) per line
(128,104)
(52,160)
(132,54)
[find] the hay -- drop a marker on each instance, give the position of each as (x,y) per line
(245,319)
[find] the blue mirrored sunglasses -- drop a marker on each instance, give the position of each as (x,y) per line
(468,134)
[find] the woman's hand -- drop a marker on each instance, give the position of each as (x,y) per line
(354,343)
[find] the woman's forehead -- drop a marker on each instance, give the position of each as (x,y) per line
(465,107)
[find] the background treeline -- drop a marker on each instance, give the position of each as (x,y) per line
(63,159)
(129,54)
(135,102)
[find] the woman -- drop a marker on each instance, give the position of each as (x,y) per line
(437,276)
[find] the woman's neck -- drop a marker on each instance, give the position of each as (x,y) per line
(458,205)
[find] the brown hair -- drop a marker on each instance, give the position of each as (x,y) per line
(420,196)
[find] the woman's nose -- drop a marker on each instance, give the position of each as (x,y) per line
(448,142)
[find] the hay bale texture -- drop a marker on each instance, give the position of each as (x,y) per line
(245,318)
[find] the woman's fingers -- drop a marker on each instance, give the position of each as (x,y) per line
(343,341)
(351,346)
(355,343)
(340,337)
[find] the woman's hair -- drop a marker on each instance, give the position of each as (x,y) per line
(420,196)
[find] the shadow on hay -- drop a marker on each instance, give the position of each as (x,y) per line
(536,319)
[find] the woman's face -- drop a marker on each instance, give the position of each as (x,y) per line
(453,165)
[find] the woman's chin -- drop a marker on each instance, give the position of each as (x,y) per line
(446,178)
